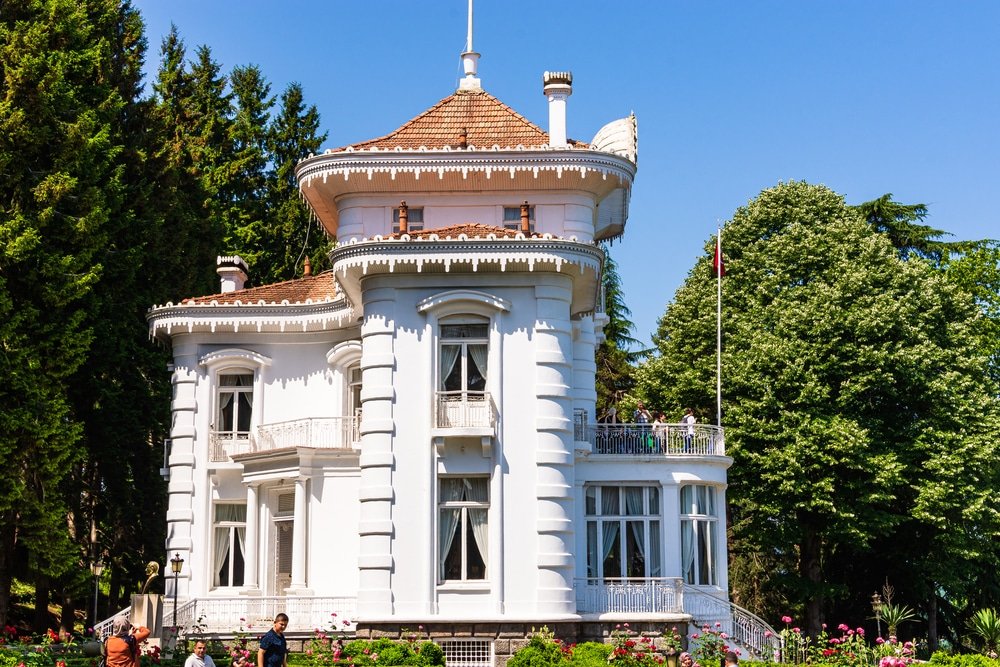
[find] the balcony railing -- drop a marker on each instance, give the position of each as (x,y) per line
(653,595)
(654,439)
(319,433)
(464,409)
(225,614)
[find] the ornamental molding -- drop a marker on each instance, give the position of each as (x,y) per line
(463,298)
(237,317)
(367,254)
(234,356)
(496,160)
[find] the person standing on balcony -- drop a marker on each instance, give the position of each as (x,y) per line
(641,414)
(273,651)
(688,421)
(660,432)
(200,656)
(121,649)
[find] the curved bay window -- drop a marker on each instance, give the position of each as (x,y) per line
(229,544)
(464,504)
(699,520)
(623,532)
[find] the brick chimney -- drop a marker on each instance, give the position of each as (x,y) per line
(233,272)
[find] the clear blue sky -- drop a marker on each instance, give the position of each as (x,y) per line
(864,96)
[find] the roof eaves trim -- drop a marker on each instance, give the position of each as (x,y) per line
(418,162)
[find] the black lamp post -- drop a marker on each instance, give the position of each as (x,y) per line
(97,567)
(176,563)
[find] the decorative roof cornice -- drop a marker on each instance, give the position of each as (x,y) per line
(258,317)
(488,161)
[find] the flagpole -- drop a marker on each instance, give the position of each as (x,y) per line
(718,327)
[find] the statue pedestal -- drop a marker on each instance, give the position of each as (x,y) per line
(147,611)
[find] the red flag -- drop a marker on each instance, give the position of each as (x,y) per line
(718,264)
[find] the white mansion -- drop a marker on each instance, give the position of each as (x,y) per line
(410,438)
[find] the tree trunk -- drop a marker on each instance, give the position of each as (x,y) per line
(7,539)
(811,569)
(42,619)
(932,633)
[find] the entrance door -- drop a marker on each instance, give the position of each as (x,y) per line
(282,556)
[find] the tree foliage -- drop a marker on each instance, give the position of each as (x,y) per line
(854,402)
(615,355)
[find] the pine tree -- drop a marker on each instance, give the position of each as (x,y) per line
(291,233)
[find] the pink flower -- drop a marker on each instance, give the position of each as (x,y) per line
(724,635)
(879,641)
(834,640)
(695,636)
(860,631)
(796,630)
(786,619)
(768,633)
(843,627)
(718,625)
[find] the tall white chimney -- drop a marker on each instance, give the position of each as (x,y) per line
(233,272)
(470,61)
(557,87)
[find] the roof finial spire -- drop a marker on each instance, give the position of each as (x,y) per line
(470,60)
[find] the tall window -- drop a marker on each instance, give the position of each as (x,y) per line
(235,401)
(354,391)
(463,359)
(623,531)
(414,219)
(699,521)
(512,218)
(464,504)
(229,543)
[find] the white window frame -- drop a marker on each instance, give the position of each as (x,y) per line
(236,391)
(233,526)
(414,219)
(597,518)
(461,531)
(234,360)
(464,358)
(699,534)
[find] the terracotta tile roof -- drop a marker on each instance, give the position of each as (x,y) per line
(471,229)
(486,121)
(318,288)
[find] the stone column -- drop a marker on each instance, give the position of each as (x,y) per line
(554,454)
(584,373)
(252,548)
(299,533)
(376,461)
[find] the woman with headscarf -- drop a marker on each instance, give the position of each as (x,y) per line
(685,660)
(121,649)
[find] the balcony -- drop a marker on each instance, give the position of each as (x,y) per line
(652,440)
(226,614)
(652,595)
(464,414)
(319,433)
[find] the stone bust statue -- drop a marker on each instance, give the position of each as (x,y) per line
(152,572)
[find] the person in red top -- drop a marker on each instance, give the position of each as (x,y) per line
(121,649)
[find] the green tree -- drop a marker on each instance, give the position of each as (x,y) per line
(61,157)
(852,396)
(614,356)
(291,233)
(903,225)
(244,194)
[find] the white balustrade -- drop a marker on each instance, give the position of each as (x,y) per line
(319,433)
(630,595)
(227,614)
(655,439)
(464,409)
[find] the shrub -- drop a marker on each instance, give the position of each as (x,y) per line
(590,654)
(943,659)
(543,650)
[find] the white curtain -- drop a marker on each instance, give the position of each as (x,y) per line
(220,551)
(449,354)
(687,550)
(225,411)
(477,490)
(451,490)
(655,568)
(479,354)
(609,529)
(633,507)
